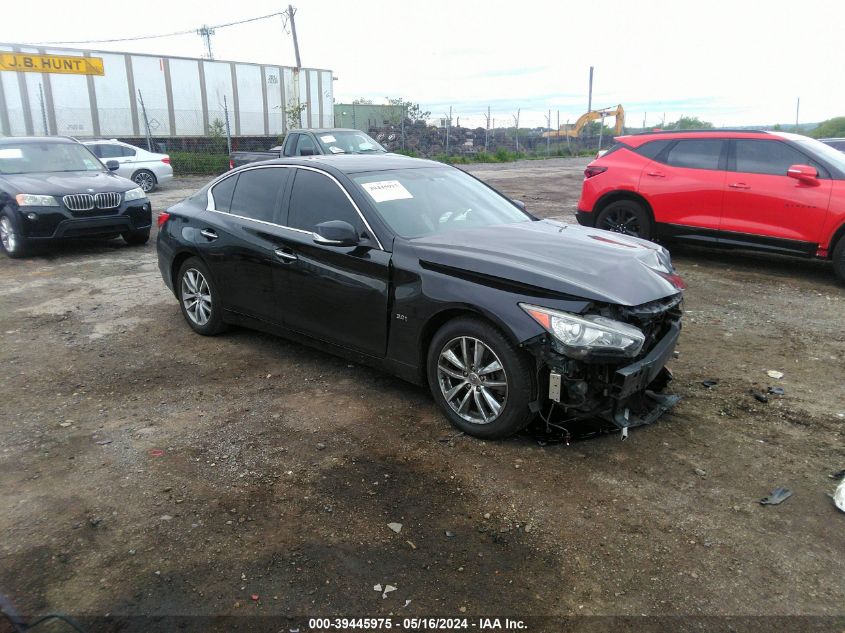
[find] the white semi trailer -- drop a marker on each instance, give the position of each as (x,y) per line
(87,93)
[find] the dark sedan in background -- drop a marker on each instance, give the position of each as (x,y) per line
(54,188)
(421,270)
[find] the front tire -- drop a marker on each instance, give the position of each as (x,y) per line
(136,238)
(145,179)
(11,241)
(627,217)
(198,298)
(480,380)
(839,259)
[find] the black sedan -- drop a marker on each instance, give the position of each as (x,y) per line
(54,188)
(426,272)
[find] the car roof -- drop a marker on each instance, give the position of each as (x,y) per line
(17,140)
(635,140)
(327,130)
(355,163)
(97,141)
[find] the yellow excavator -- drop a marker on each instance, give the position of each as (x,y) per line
(593,115)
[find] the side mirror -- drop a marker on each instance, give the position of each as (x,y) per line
(112,165)
(306,151)
(804,173)
(519,203)
(336,233)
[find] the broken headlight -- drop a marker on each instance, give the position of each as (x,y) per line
(581,335)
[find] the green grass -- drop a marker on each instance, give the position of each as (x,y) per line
(198,164)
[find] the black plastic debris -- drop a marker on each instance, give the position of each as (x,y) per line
(760,397)
(709,383)
(776,497)
(777,391)
(839,474)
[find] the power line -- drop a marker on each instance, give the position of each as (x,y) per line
(152,37)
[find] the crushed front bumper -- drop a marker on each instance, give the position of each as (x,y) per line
(625,396)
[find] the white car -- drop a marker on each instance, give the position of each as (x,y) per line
(147,169)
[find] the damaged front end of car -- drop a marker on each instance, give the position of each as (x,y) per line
(608,363)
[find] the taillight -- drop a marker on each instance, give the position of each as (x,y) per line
(231,164)
(163,217)
(594,170)
(166,160)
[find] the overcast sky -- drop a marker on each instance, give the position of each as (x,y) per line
(732,63)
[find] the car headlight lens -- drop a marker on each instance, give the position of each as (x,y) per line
(134,194)
(35,200)
(581,335)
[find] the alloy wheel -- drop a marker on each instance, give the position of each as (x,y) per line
(622,220)
(472,380)
(145,181)
(7,235)
(196,296)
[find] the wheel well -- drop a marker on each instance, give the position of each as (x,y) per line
(177,264)
(840,234)
(438,321)
(616,196)
(150,172)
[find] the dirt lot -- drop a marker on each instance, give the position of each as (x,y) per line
(149,471)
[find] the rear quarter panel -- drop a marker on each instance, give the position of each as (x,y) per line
(624,169)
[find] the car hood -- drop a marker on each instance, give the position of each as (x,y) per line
(63,183)
(563,258)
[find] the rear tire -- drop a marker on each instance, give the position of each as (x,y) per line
(136,238)
(11,240)
(145,179)
(198,298)
(627,217)
(839,260)
(484,391)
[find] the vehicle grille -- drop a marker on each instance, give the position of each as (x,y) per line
(79,202)
(88,202)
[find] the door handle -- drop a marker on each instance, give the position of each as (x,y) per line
(286,254)
(656,174)
(739,185)
(211,235)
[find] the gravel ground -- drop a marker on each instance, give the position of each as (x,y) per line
(149,471)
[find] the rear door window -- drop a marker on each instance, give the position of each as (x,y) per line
(768,157)
(110,151)
(222,193)
(316,198)
(653,148)
(258,192)
(696,153)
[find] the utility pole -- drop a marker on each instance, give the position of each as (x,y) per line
(205,33)
(516,123)
(797,109)
(146,122)
(43,110)
(293,33)
(590,94)
(448,125)
(487,128)
(549,135)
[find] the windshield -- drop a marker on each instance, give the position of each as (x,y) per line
(46,157)
(348,143)
(833,156)
(420,202)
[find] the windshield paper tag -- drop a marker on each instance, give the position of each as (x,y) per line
(386,190)
(11,152)
(336,150)
(328,138)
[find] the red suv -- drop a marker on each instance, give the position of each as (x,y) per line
(769,191)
